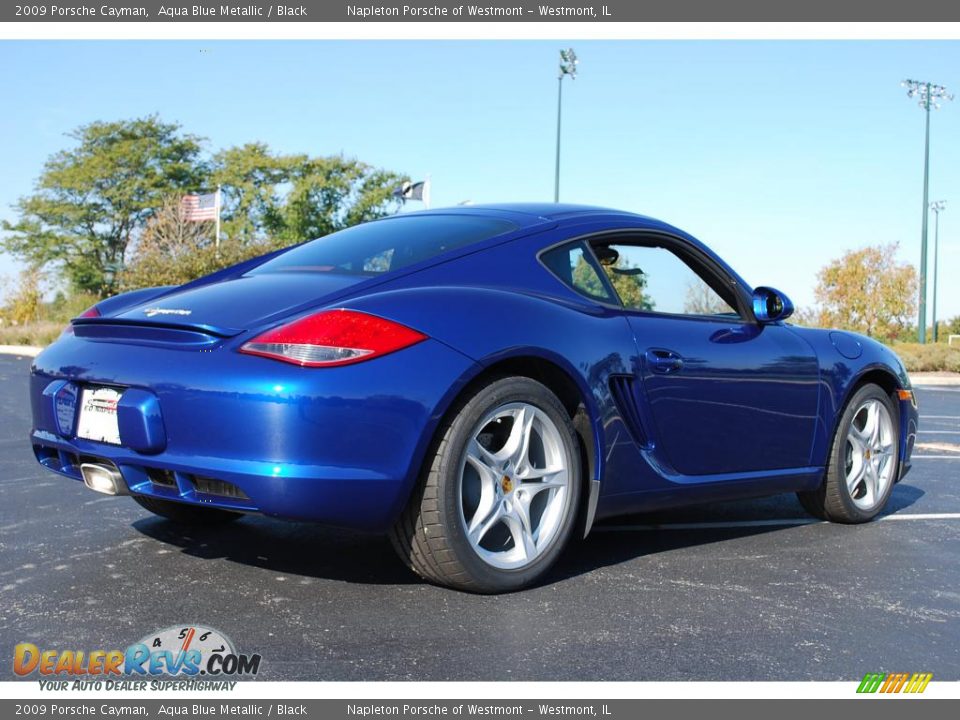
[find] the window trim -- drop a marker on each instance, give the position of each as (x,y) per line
(671,242)
(591,260)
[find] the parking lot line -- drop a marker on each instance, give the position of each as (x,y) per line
(773,522)
(935,457)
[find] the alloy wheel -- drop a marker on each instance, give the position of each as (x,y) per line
(514,486)
(869,460)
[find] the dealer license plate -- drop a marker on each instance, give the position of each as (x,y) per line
(98,415)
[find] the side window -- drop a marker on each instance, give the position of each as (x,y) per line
(654,279)
(570,263)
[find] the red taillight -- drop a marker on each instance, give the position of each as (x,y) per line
(333,337)
(90,312)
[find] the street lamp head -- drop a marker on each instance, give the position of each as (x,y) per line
(568,63)
(928,94)
(938,205)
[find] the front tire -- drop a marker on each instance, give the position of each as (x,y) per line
(184,514)
(498,499)
(864,461)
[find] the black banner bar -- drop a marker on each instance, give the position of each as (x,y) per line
(483,11)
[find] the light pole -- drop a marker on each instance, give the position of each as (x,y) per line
(937,206)
(568,66)
(929,95)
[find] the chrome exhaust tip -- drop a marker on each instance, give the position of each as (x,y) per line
(104,479)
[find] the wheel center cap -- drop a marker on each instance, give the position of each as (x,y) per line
(506,484)
(867,453)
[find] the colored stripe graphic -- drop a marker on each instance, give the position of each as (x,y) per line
(871,683)
(894,682)
(918,683)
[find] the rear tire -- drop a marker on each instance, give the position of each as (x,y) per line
(864,461)
(498,499)
(184,514)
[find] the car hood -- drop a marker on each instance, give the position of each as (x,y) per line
(241,303)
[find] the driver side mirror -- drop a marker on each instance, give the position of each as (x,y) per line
(771,305)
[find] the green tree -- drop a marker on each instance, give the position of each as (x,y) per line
(869,292)
(94,204)
(92,200)
(250,177)
(950,327)
(629,286)
(292,198)
(586,279)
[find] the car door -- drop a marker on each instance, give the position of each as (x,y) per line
(724,394)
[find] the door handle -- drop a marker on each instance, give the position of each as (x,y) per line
(664,361)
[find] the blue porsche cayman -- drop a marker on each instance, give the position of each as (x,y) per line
(481,383)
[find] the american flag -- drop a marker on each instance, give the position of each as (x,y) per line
(196,208)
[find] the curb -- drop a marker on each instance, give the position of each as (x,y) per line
(934,379)
(21,350)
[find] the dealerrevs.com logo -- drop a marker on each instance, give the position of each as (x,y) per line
(895,682)
(187,651)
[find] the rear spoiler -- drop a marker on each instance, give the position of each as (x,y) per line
(105,322)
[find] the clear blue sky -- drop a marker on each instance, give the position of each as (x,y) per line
(780,155)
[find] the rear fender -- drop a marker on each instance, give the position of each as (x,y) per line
(491,326)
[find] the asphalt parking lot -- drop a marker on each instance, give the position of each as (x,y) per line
(742,591)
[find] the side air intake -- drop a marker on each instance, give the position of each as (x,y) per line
(623,389)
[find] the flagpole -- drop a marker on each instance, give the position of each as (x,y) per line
(217,241)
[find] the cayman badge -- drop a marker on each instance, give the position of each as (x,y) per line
(150,312)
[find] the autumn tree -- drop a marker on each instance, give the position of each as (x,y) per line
(701,299)
(869,292)
(173,250)
(630,282)
(25,302)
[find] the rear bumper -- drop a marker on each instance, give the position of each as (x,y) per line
(342,446)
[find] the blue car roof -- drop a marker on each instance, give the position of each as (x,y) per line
(525,214)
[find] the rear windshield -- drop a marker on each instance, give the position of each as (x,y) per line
(385,245)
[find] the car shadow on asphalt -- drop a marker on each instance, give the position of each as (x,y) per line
(289,548)
(627,538)
(313,551)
